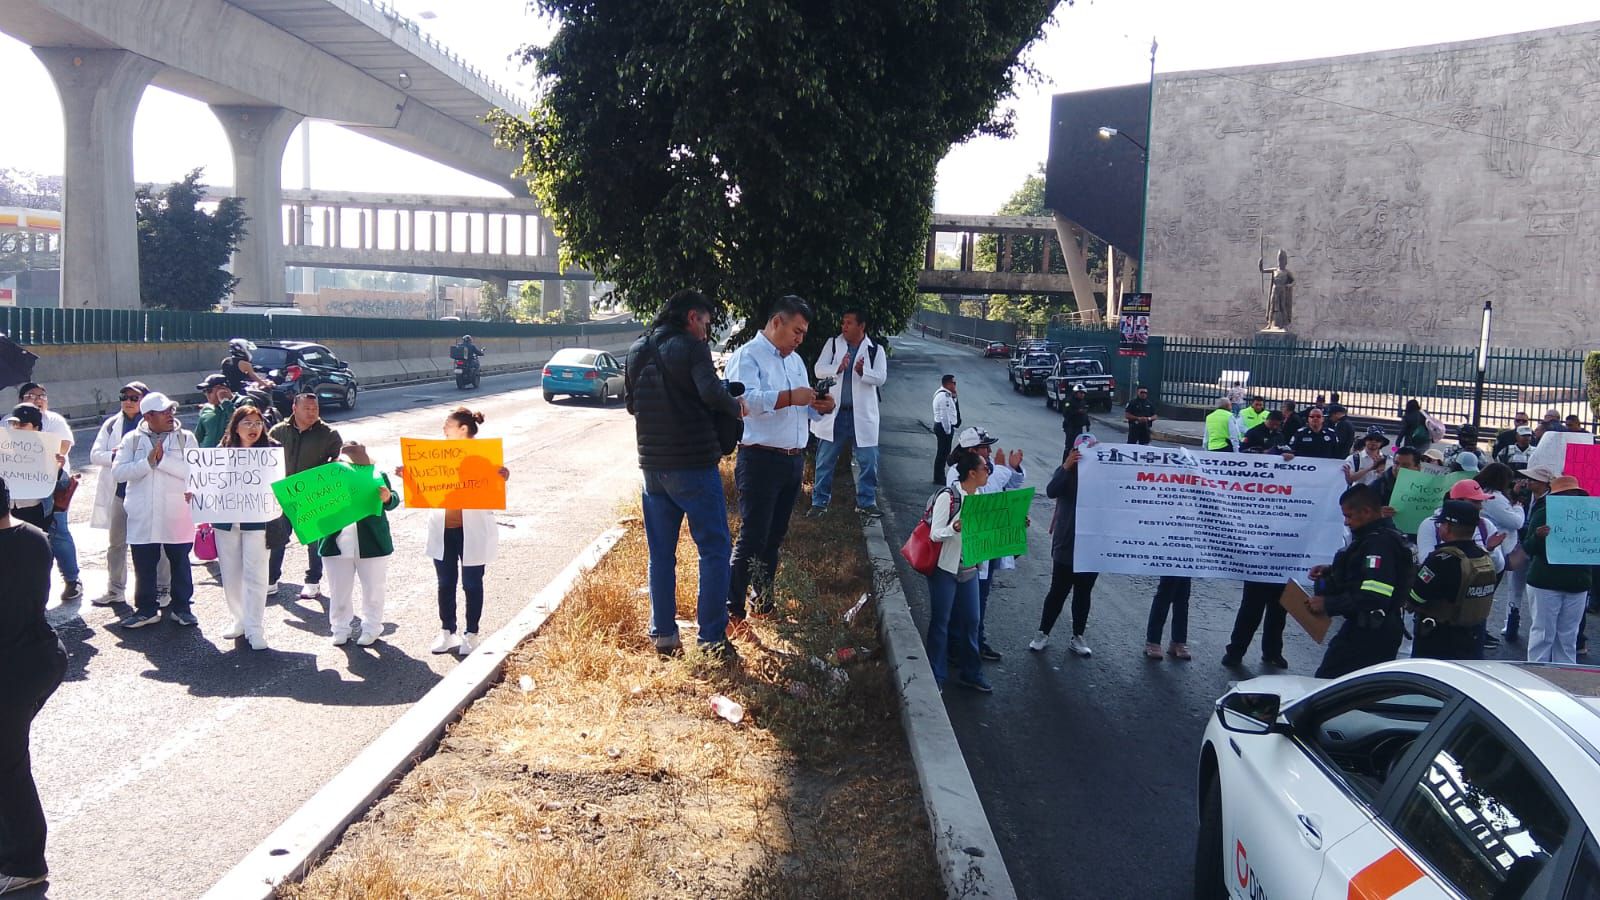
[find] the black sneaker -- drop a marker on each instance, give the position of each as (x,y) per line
(989,653)
(1275,662)
(73,592)
(1490,642)
(816,512)
(722,651)
(139,620)
(975,683)
(184,618)
(1232,660)
(870,512)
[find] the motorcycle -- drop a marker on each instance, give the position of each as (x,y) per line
(466,373)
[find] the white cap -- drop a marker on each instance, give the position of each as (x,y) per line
(156,401)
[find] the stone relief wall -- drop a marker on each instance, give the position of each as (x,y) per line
(1478,178)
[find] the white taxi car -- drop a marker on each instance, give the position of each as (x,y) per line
(1416,779)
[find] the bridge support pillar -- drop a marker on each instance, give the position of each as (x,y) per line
(582,297)
(1067,234)
(952,305)
(100,92)
(550,297)
(258,135)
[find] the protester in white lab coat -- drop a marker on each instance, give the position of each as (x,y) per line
(860,366)
(359,551)
(109,512)
(150,464)
(242,546)
(461,542)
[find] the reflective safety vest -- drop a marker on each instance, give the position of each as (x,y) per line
(1474,598)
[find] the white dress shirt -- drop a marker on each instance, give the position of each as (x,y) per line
(945,413)
(766,374)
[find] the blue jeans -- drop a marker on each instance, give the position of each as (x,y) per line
(62,547)
(768,484)
(983,605)
(952,625)
(844,434)
(145,558)
(669,496)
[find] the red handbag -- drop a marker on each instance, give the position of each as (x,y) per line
(920,550)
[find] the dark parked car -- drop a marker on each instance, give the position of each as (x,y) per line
(296,367)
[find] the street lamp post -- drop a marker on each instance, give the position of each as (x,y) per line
(1483,364)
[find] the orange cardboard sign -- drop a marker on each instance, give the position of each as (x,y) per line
(453,474)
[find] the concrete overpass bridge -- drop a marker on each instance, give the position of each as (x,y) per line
(1058,237)
(262,66)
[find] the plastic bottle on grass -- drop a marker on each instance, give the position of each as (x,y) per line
(727,708)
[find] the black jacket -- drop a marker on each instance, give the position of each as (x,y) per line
(1322,444)
(671,394)
(1262,439)
(1373,573)
(1063,489)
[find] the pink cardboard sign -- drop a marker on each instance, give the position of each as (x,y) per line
(1583,463)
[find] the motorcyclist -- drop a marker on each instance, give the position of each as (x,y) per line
(238,370)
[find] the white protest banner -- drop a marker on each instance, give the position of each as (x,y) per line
(234,484)
(1153,511)
(1551,451)
(28,463)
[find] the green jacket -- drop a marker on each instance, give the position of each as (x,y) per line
(1541,574)
(1250,418)
(213,423)
(372,533)
(1217,431)
(307,449)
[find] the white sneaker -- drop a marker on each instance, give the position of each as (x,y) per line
(311,591)
(234,630)
(469,642)
(367,638)
(341,636)
(1079,647)
(272,589)
(1039,642)
(164,599)
(257,642)
(444,642)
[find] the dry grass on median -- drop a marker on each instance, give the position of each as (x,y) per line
(612,778)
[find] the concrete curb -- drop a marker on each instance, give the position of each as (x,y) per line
(963,843)
(290,851)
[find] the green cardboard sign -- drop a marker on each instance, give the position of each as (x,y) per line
(1418,495)
(994,525)
(329,498)
(1574,538)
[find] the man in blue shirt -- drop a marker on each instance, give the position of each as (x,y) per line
(782,405)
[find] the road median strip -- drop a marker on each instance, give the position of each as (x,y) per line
(599,768)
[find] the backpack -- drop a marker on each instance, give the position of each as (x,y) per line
(1435,428)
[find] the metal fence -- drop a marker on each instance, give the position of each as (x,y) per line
(118,326)
(1374,381)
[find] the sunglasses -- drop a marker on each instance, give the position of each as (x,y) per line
(131,398)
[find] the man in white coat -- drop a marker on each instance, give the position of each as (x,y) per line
(860,366)
(109,512)
(150,462)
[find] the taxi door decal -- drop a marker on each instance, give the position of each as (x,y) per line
(1392,873)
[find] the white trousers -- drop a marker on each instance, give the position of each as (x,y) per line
(242,559)
(1553,634)
(342,572)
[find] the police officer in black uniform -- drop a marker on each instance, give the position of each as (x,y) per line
(1141,414)
(1365,584)
(1316,440)
(1268,437)
(1075,415)
(1454,589)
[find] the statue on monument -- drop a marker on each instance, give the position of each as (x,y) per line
(1280,294)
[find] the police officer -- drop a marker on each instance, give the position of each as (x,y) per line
(1454,590)
(1316,439)
(1075,415)
(1268,437)
(1365,584)
(1141,414)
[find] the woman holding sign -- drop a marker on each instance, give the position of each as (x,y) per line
(242,547)
(465,540)
(953,588)
(360,551)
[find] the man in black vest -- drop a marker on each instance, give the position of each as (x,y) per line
(1454,590)
(1141,415)
(672,391)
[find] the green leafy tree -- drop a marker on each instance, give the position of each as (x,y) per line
(760,148)
(530,302)
(183,248)
(494,306)
(1591,377)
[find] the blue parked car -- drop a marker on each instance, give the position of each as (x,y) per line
(583,373)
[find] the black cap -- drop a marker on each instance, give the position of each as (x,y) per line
(1459,512)
(211,381)
(1275,416)
(27,414)
(1334,408)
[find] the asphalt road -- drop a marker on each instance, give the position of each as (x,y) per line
(1086,767)
(169,752)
